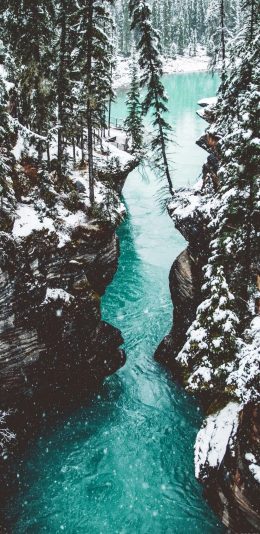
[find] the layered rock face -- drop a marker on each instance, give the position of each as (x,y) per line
(233,491)
(185,277)
(227,447)
(53,341)
(57,256)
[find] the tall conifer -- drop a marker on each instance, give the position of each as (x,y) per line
(148,45)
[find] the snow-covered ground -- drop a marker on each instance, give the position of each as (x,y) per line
(32,214)
(186,63)
(29,217)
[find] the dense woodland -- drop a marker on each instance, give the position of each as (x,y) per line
(183,26)
(223,326)
(58,60)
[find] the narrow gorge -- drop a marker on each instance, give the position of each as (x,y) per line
(125,460)
(129,266)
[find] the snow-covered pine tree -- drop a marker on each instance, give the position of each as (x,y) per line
(133,122)
(217,35)
(65,11)
(184,24)
(228,358)
(167,29)
(180,34)
(252,10)
(123,27)
(148,46)
(211,341)
(94,53)
(103,65)
(7,197)
(27,32)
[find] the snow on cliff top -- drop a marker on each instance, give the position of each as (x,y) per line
(32,214)
(186,203)
(214,437)
(29,219)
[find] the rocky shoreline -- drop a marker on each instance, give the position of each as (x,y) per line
(57,256)
(230,487)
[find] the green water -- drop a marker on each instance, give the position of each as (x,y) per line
(124,463)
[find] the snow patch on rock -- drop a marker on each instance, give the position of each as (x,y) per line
(214,437)
(205,102)
(253,467)
(54,294)
(28,219)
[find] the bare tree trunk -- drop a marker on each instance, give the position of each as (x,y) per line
(89,103)
(74,150)
(252,19)
(164,156)
(48,156)
(109,115)
(61,88)
(223,42)
(82,143)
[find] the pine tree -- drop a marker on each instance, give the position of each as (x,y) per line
(238,220)
(133,123)
(62,78)
(7,197)
(28,33)
(95,57)
(217,353)
(252,11)
(211,341)
(151,67)
(89,91)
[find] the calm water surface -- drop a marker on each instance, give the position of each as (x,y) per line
(124,463)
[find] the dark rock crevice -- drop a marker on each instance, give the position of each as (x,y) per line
(55,349)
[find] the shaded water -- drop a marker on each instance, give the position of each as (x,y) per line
(124,463)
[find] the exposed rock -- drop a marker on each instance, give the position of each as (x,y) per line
(185,294)
(56,344)
(57,256)
(233,491)
(188,212)
(232,481)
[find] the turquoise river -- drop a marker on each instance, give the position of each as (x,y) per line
(124,463)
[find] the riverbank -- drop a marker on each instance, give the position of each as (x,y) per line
(58,254)
(207,316)
(182,64)
(124,461)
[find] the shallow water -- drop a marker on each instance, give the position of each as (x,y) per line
(124,463)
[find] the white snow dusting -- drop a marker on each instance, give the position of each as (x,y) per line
(213,438)
(54,294)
